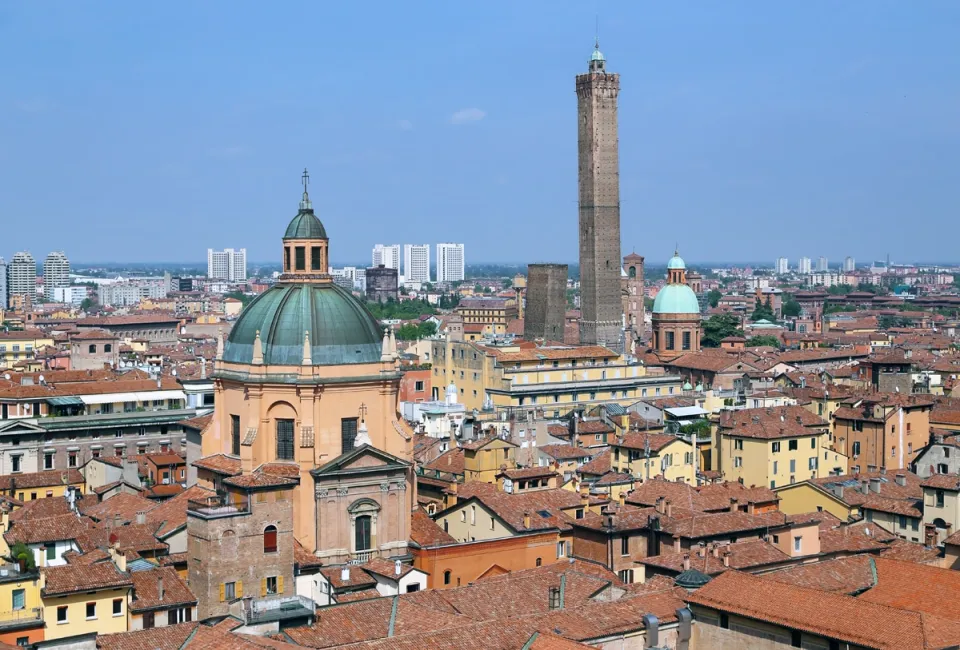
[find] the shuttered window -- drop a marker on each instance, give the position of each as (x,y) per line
(284,439)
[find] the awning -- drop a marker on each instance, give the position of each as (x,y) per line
(64,401)
(687,411)
(114,398)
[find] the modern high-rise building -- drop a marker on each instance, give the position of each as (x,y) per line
(416,262)
(56,272)
(388,256)
(804,266)
(3,283)
(450,265)
(783,266)
(822,264)
(599,191)
(22,276)
(229,264)
(849,264)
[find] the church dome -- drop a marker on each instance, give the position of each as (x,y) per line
(305,225)
(676,299)
(597,55)
(341,329)
(676,262)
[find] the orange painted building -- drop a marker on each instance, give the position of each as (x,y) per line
(456,565)
(415,386)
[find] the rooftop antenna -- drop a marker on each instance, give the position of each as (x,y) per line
(305,203)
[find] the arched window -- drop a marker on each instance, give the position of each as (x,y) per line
(92,348)
(633,271)
(446,577)
(108,347)
(539,562)
(362,532)
(270,539)
(228,545)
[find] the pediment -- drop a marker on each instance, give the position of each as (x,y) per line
(363,459)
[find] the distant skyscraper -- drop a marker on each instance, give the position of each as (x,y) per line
(599,192)
(822,264)
(22,276)
(229,264)
(783,266)
(388,256)
(849,264)
(56,272)
(416,262)
(803,266)
(450,265)
(3,284)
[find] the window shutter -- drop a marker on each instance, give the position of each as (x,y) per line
(263,587)
(239,589)
(223,589)
(279,584)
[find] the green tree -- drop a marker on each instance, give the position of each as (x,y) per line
(839,289)
(426,329)
(718,327)
(714,297)
(764,340)
(19,552)
(408,332)
(763,310)
(886,322)
(697,427)
(86,304)
(507,283)
(239,295)
(404,309)
(791,308)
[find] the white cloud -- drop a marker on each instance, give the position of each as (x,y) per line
(405,125)
(467,115)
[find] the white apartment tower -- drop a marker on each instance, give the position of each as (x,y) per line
(822,264)
(56,272)
(3,284)
(229,264)
(783,266)
(416,262)
(804,266)
(849,265)
(22,275)
(388,255)
(450,267)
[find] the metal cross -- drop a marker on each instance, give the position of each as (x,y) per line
(306,179)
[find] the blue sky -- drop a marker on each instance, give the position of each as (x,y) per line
(748,130)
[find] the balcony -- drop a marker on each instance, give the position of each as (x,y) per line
(218,506)
(360,557)
(26,617)
(279,608)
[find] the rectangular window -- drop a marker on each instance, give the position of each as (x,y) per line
(775,447)
(812,463)
(235,435)
(893,451)
(284,439)
(348,434)
(856,448)
(19,599)
(286,258)
(792,445)
(315,258)
(738,461)
(15,463)
(91,611)
(670,341)
(272,585)
(939,498)
(793,466)
(686,340)
(775,463)
(738,445)
(149,622)
(813,443)
(561,549)
(230,591)
(624,545)
(797,541)
(72,459)
(48,461)
(118,606)
(52,552)
(418,386)
(300,255)
(61,614)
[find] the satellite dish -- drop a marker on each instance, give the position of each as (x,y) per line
(174,372)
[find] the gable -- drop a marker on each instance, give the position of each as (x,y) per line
(364,458)
(493,571)
(20,426)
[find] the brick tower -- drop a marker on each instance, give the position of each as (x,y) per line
(599,174)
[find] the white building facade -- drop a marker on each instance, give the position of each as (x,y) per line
(783,266)
(56,272)
(229,264)
(388,255)
(450,263)
(804,266)
(416,262)
(22,275)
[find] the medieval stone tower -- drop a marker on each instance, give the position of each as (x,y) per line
(599,174)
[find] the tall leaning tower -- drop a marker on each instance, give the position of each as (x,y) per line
(599,173)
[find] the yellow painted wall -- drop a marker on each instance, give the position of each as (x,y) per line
(13,348)
(472,521)
(77,623)
(803,497)
(760,464)
(681,462)
(25,494)
(31,589)
(484,464)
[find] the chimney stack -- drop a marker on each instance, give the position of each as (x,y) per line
(701,550)
(526,520)
(865,486)
(726,557)
(660,505)
(622,497)
(901,480)
(160,588)
(715,550)
(345,573)
(875,485)
(668,508)
(733,504)
(751,508)
(141,517)
(686,561)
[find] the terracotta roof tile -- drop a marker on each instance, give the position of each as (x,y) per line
(170,636)
(846,575)
(123,504)
(542,506)
(146,590)
(49,478)
(72,578)
(565,452)
(425,531)
(219,464)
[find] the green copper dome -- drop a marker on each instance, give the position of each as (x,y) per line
(676,262)
(676,299)
(597,55)
(341,329)
(305,226)
(691,579)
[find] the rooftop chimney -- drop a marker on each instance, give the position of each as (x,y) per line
(141,517)
(883,470)
(701,550)
(865,486)
(715,551)
(526,520)
(345,573)
(622,497)
(733,504)
(668,508)
(397,567)
(651,626)
(686,561)
(726,557)
(875,485)
(901,480)
(660,505)
(160,591)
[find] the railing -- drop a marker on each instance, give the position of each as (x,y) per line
(218,506)
(279,607)
(450,477)
(21,617)
(359,557)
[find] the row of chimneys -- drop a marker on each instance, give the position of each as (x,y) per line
(712,549)
(871,485)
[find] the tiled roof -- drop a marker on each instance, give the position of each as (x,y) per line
(123,504)
(599,466)
(259,480)
(943,482)
(360,594)
(711,362)
(219,464)
(657,441)
(146,590)
(48,529)
(852,484)
(198,424)
(71,578)
(557,353)
(565,452)
(171,514)
(165,459)
(771,423)
(288,470)
(449,461)
(48,478)
(425,531)
(846,575)
(379,566)
(614,478)
(528,472)
(834,616)
(358,577)
(169,636)
(742,555)
(52,507)
(901,549)
(916,587)
(850,539)
(542,506)
(593,426)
